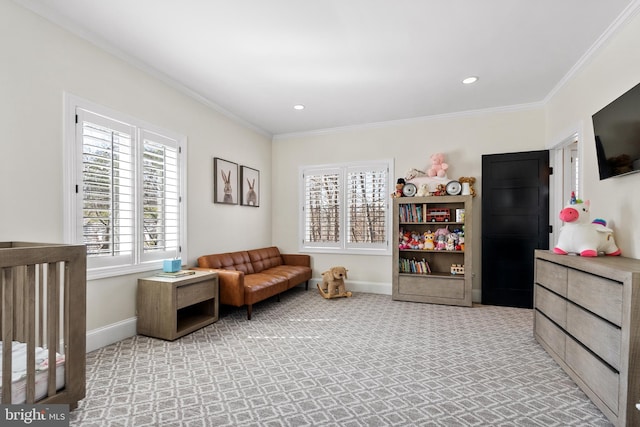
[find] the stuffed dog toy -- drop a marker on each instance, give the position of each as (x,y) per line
(333,283)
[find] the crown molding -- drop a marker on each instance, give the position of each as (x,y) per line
(68,25)
(627,15)
(402,122)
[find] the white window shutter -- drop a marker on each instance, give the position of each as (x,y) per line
(108,181)
(160,197)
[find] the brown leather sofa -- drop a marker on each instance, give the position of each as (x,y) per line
(248,277)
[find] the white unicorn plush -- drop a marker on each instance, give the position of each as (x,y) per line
(581,236)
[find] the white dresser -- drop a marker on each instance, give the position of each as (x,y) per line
(587,317)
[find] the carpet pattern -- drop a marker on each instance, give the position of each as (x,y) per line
(360,361)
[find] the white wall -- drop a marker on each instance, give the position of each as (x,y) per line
(40,62)
(462,138)
(613,70)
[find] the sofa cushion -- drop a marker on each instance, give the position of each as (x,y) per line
(294,273)
(239,261)
(258,287)
(265,258)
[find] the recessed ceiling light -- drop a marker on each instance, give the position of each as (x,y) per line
(469,80)
(298,107)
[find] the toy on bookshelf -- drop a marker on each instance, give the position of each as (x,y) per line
(438,215)
(457,269)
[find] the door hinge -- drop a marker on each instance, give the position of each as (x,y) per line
(550,229)
(77,189)
(550,171)
(76,119)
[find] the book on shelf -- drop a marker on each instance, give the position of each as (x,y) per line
(180,273)
(414,267)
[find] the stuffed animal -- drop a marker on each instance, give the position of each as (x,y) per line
(441,190)
(333,283)
(423,190)
(581,236)
(470,180)
(438,166)
(399,186)
(440,238)
(428,241)
(404,240)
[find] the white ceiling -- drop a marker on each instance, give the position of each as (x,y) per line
(350,62)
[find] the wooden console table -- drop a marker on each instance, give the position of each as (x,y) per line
(170,308)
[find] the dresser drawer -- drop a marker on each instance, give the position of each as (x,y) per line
(601,337)
(552,305)
(597,294)
(191,294)
(548,332)
(597,376)
(552,276)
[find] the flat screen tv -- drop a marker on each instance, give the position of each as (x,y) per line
(617,131)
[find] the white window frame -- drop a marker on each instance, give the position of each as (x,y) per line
(73,197)
(343,246)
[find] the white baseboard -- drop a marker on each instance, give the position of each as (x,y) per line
(384,288)
(98,338)
(476,295)
(357,286)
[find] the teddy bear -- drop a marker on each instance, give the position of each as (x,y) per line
(469,180)
(333,283)
(399,186)
(441,190)
(423,190)
(438,166)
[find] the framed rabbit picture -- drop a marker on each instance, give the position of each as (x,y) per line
(225,181)
(250,184)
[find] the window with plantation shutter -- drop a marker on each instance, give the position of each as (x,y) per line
(367,202)
(124,191)
(346,208)
(322,211)
(108,189)
(160,198)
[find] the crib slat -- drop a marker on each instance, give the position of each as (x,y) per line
(30,331)
(40,340)
(53,322)
(7,332)
(34,277)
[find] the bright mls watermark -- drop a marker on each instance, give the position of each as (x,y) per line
(34,415)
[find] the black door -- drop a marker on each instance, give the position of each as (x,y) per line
(515,221)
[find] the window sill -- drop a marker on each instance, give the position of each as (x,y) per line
(341,251)
(106,272)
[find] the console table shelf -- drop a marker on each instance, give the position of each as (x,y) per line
(170,308)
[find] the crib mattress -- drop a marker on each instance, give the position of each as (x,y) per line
(19,374)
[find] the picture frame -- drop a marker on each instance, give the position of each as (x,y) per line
(225,181)
(250,185)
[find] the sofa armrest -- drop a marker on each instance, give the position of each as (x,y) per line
(231,285)
(296,259)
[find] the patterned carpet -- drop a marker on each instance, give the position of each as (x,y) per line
(361,361)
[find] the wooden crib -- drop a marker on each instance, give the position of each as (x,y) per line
(43,323)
